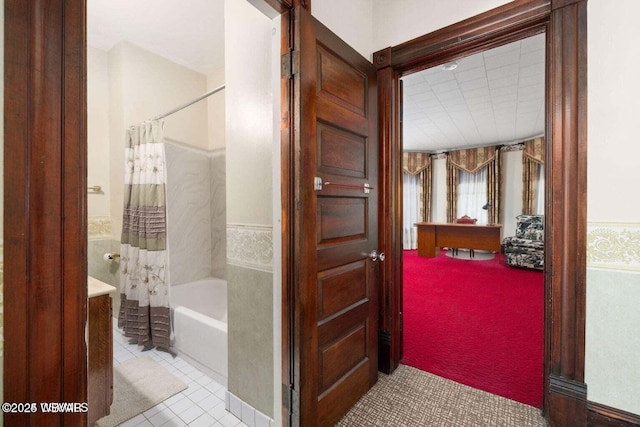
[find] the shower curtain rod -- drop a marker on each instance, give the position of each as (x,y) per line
(183,106)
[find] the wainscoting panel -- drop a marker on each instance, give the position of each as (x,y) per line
(612,365)
(250,246)
(614,246)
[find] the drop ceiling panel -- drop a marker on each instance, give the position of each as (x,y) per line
(493,97)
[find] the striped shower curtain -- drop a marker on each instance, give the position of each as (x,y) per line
(144,279)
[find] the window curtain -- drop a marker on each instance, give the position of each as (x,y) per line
(417,183)
(144,279)
(471,161)
(472,195)
(410,210)
(533,176)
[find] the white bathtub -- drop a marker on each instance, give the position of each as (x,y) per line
(200,325)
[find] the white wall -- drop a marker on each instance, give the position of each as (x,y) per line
(512,187)
(439,188)
(249,120)
(353,24)
(398,21)
(612,358)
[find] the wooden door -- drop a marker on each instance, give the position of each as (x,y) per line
(336,279)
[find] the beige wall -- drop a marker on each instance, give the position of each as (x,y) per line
(249,95)
(98,164)
(143,85)
(215,111)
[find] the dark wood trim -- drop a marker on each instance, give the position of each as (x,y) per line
(390,351)
(513,21)
(289,407)
(565,24)
(45,208)
(565,220)
(600,415)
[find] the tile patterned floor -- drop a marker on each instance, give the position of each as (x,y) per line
(201,404)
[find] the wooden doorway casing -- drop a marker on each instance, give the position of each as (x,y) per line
(45,76)
(564,22)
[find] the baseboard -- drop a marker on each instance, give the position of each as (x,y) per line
(245,412)
(600,415)
(567,402)
(384,352)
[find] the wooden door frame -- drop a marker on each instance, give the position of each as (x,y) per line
(45,224)
(564,22)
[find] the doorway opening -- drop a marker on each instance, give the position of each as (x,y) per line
(465,125)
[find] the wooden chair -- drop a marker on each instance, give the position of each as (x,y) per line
(465,219)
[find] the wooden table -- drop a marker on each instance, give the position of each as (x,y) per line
(432,236)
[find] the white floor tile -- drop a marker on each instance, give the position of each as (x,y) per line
(191,414)
(213,387)
(202,404)
(220,393)
(205,420)
(138,419)
(151,412)
(173,399)
(181,405)
(218,411)
(162,417)
(229,420)
(193,387)
(210,403)
(199,394)
(175,422)
(204,380)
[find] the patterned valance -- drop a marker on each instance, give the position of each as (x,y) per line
(415,162)
(534,150)
(472,159)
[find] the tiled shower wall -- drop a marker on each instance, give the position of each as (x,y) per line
(196,213)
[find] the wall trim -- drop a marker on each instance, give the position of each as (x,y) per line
(99,227)
(250,246)
(567,387)
(603,415)
(613,245)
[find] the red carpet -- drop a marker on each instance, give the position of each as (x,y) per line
(479,323)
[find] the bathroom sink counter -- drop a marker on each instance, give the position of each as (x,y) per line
(97,288)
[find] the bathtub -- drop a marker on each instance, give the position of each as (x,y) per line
(199,312)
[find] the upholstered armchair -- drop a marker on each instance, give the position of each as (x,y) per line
(526,248)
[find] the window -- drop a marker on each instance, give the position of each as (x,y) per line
(472,195)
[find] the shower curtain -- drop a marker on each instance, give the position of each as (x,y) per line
(144,276)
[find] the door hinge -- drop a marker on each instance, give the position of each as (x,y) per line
(291,401)
(290,63)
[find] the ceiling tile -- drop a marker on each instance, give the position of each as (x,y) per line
(490,98)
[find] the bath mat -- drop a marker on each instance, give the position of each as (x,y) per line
(138,385)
